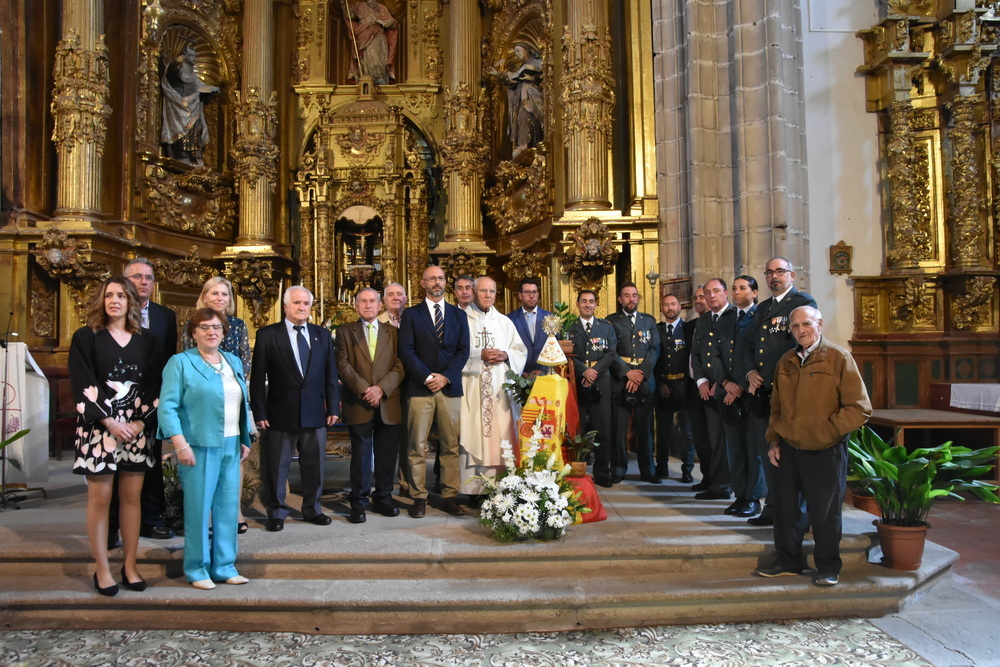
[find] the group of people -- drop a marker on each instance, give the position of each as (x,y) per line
(727,386)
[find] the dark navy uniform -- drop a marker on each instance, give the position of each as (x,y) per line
(746,471)
(672,371)
(596,349)
(638,349)
(712,361)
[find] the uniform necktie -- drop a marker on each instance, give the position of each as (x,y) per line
(438,324)
(300,341)
(740,316)
(371,340)
(529,318)
(670,330)
(631,318)
(587,328)
(715,318)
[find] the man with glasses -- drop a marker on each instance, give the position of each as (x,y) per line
(162,325)
(771,337)
(528,321)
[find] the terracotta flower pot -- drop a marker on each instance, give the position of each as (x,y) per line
(567,346)
(902,546)
(865,503)
(579,468)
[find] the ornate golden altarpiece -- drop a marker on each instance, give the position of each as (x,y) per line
(933,78)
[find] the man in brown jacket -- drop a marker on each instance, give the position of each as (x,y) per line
(371,374)
(819,399)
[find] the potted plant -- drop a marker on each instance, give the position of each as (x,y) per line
(905,484)
(579,448)
(11,440)
(863,446)
(566,319)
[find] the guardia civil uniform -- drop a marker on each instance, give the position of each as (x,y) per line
(594,345)
(638,349)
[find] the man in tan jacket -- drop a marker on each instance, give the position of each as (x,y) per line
(371,372)
(819,399)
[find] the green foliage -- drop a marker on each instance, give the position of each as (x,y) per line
(566,317)
(905,483)
(519,387)
(11,440)
(581,445)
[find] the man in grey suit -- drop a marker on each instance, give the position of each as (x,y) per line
(594,344)
(294,395)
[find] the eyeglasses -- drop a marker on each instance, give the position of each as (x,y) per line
(141,277)
(209,327)
(776,272)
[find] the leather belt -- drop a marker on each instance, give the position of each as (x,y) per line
(675,376)
(591,364)
(633,361)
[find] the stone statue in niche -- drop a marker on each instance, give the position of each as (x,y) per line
(184,133)
(374,33)
(522,76)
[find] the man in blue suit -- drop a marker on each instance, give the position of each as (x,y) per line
(433,346)
(294,396)
(528,321)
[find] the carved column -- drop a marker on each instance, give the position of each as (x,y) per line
(256,120)
(907,241)
(80,111)
(463,150)
(969,243)
(587,100)
(312,61)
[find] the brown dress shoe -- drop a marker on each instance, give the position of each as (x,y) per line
(451,506)
(418,509)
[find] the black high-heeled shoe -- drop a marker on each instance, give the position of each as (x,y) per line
(110,591)
(242,527)
(133,586)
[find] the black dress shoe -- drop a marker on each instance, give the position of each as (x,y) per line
(133,585)
(418,509)
(385,509)
(357,515)
(603,481)
(662,472)
(735,507)
(650,479)
(275,525)
(156,532)
(451,506)
(712,495)
(319,519)
(701,486)
(750,508)
(686,478)
(761,520)
(110,591)
(616,479)
(114,541)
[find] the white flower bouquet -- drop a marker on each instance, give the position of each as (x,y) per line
(530,499)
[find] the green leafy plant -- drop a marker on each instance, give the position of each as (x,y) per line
(173,493)
(905,483)
(864,448)
(581,445)
(11,440)
(519,387)
(566,317)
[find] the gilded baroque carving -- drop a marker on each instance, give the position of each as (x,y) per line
(63,258)
(909,242)
(969,238)
(257,280)
(359,145)
(463,261)
(901,35)
(301,65)
(591,254)
(463,150)
(974,307)
(255,152)
(431,38)
(199,201)
(523,265)
(148,79)
(188,271)
(521,195)
(915,305)
(869,311)
(82,85)
(42,307)
(588,88)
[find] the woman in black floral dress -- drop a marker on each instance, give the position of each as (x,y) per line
(109,362)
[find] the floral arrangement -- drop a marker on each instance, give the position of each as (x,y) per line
(531,498)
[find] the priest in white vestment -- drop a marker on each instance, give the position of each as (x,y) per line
(486,416)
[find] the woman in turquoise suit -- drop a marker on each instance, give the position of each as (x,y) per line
(205,414)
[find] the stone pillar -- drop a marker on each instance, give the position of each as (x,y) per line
(80,111)
(587,100)
(464,150)
(256,120)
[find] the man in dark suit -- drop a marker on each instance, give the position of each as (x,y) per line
(771,337)
(371,373)
(633,382)
(672,390)
(594,345)
(433,346)
(711,354)
(294,396)
(162,325)
(528,321)
(696,406)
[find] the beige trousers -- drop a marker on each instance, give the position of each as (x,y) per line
(420,414)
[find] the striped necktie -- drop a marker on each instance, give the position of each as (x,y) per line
(438,324)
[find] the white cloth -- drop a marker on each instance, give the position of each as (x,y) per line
(27,407)
(982,397)
(486,415)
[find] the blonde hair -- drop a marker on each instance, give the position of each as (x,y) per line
(209,284)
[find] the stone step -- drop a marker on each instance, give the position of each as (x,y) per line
(629,597)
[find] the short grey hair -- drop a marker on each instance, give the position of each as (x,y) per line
(367,289)
(288,293)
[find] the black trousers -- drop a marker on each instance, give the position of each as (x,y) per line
(276,451)
(374,450)
(818,477)
(699,432)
